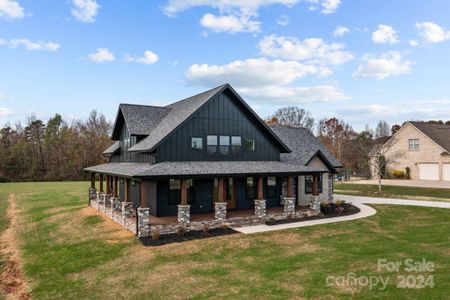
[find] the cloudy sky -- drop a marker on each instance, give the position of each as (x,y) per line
(361,61)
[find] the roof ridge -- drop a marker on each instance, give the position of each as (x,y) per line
(131,104)
(196,95)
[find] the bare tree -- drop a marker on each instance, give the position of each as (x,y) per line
(382,130)
(384,157)
(292,116)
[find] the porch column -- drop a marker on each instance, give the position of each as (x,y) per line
(220,207)
(315,190)
(127,190)
(184,209)
(101,183)
(143,200)
(108,184)
(260,202)
(289,187)
(289,201)
(93,180)
(116,187)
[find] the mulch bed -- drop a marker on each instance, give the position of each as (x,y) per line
(350,210)
(188,236)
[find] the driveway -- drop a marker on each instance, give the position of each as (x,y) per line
(406,182)
(358,201)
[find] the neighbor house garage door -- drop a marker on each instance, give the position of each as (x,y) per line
(446,172)
(429,171)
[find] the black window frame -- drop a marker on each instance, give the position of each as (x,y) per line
(174,194)
(224,149)
(192,143)
(250,191)
(253,142)
(236,149)
(211,146)
(271,189)
(309,185)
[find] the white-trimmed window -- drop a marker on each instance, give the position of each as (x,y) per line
(413,144)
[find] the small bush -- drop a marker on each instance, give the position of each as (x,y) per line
(155,234)
(398,174)
(408,173)
(180,231)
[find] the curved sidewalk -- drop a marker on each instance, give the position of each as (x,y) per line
(366,211)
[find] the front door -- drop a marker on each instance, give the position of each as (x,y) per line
(230,193)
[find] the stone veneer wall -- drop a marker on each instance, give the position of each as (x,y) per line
(306,199)
(123,216)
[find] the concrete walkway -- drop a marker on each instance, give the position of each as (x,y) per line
(358,201)
(405,182)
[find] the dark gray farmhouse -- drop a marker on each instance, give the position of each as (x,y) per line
(210,149)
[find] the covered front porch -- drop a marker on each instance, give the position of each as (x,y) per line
(117,199)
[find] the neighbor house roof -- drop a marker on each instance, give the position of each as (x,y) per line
(304,146)
(440,134)
(193,168)
(158,122)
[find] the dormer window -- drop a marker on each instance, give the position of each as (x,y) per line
(413,144)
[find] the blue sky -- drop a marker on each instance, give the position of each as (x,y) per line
(360,61)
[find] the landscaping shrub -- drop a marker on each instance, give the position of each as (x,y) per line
(339,207)
(398,174)
(408,173)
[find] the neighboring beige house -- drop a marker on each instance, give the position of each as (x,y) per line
(423,147)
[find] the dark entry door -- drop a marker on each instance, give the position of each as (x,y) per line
(230,193)
(201,198)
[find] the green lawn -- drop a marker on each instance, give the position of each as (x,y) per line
(69,252)
(389,191)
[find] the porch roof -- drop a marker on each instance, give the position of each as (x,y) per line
(202,168)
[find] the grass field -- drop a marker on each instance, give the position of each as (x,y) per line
(70,252)
(389,191)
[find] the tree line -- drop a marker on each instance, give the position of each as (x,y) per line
(59,150)
(56,150)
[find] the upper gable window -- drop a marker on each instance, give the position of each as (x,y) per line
(236,142)
(197,143)
(413,144)
(224,144)
(249,144)
(211,144)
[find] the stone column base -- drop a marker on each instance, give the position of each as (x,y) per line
(184,214)
(289,206)
(143,221)
(220,209)
(315,204)
(260,208)
(127,211)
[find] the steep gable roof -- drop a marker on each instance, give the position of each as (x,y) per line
(440,134)
(140,119)
(180,111)
(304,146)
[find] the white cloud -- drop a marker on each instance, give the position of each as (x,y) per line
(5,97)
(5,112)
(230,23)
(294,95)
(29,45)
(432,33)
(341,31)
(312,50)
(255,72)
(283,20)
(85,10)
(101,55)
(246,7)
(327,6)
(385,34)
(149,58)
(413,43)
(388,64)
(11,10)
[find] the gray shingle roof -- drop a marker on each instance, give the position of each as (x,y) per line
(112,149)
(440,134)
(303,145)
(193,168)
(175,114)
(142,119)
